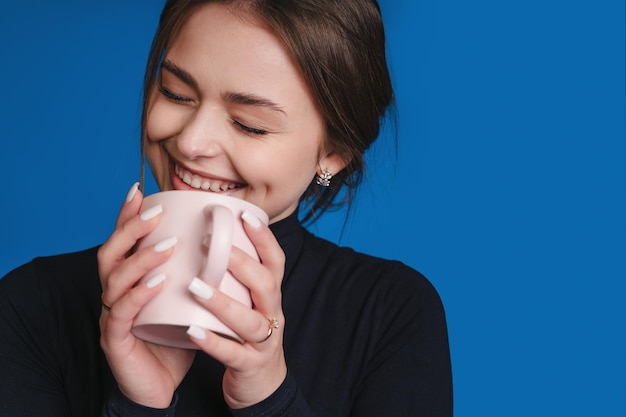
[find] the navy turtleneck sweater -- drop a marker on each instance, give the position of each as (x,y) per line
(363,337)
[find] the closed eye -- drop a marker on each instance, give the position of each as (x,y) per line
(248,129)
(174,97)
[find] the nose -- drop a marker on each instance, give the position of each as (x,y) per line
(203,135)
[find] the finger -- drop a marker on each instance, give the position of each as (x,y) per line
(119,320)
(269,251)
(264,285)
(128,273)
(130,208)
(228,352)
(131,205)
(249,324)
(123,239)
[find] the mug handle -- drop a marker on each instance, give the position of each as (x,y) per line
(221,231)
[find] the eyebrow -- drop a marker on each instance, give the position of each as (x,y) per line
(252,100)
(237,98)
(183,75)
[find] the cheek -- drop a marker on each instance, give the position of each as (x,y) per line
(300,166)
(163,122)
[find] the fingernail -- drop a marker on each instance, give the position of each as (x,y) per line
(201,289)
(132,192)
(251,219)
(165,244)
(155,280)
(151,213)
(196,332)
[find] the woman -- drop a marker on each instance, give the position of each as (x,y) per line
(274,102)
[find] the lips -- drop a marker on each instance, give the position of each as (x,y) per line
(202,183)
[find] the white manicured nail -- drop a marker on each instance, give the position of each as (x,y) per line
(196,332)
(251,219)
(151,213)
(201,289)
(132,192)
(155,280)
(165,244)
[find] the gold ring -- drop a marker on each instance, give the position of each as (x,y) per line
(273,324)
(104,305)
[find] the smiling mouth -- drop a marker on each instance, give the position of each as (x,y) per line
(200,183)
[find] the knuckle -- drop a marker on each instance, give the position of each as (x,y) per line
(101,254)
(103,343)
(267,285)
(258,328)
(135,228)
(127,228)
(135,298)
(111,286)
(104,259)
(280,257)
(146,259)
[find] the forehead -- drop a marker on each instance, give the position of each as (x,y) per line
(220,37)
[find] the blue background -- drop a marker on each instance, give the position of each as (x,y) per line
(508,191)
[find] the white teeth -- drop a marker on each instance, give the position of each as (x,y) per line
(196,182)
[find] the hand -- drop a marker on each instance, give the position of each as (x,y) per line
(255,368)
(147,374)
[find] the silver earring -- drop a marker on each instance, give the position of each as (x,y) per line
(324,178)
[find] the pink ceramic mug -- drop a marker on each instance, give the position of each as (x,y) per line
(206,225)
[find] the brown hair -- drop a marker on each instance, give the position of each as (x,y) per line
(339,46)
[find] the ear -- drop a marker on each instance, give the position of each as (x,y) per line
(332,162)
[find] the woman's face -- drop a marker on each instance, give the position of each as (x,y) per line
(231,114)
